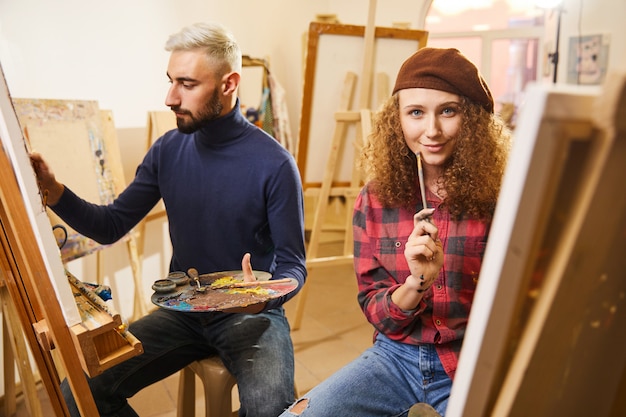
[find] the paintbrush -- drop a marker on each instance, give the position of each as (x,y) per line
(420,177)
(193,274)
(244,284)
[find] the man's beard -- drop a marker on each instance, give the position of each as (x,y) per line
(211,111)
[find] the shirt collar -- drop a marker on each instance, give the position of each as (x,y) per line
(224,129)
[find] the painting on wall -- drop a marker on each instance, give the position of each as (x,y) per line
(587,59)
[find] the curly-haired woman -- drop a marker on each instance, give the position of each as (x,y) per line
(417,264)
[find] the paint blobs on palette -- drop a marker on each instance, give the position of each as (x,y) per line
(187,298)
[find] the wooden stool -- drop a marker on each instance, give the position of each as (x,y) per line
(218,385)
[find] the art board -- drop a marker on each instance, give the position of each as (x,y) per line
(549,314)
(333,51)
(15,146)
(70,134)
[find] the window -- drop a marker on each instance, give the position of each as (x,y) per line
(501,37)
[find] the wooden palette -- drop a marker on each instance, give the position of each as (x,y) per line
(187,297)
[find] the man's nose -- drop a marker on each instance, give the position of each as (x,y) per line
(172,98)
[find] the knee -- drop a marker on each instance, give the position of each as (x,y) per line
(299,406)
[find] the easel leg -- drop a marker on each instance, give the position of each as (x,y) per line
(364,129)
(324,194)
(13,331)
(139,309)
(10,392)
(342,117)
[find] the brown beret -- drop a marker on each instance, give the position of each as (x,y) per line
(446,70)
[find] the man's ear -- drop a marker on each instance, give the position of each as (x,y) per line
(230,83)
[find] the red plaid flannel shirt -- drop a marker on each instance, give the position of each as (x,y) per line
(441,318)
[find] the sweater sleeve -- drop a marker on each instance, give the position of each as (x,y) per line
(107,224)
(286,221)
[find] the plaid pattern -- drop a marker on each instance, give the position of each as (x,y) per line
(441,318)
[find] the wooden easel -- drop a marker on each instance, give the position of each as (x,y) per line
(36,293)
(344,117)
(43,131)
(132,239)
(34,297)
(552,310)
(157,124)
(14,351)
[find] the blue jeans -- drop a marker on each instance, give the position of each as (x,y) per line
(386,380)
(256,349)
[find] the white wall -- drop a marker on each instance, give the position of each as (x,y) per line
(113,51)
(591,17)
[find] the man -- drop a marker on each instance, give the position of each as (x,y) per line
(233,196)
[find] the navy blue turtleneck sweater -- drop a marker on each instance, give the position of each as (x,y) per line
(228,188)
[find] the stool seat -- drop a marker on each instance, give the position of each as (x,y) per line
(217,382)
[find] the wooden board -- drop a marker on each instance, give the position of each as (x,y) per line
(101,336)
(333,50)
(14,145)
(159,123)
(547,331)
(71,135)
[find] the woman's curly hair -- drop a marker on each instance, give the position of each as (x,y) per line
(471,177)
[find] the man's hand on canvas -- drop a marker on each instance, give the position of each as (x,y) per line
(51,189)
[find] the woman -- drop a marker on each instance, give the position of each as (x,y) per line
(417,266)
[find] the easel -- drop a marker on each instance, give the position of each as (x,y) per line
(157,124)
(36,291)
(552,308)
(24,275)
(131,240)
(14,352)
(41,132)
(344,117)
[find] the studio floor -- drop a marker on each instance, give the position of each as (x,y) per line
(333,332)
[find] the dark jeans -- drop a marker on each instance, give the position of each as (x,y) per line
(256,348)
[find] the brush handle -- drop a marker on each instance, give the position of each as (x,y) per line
(253,283)
(420,176)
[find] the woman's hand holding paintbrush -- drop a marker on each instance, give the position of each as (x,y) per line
(424,255)
(423,250)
